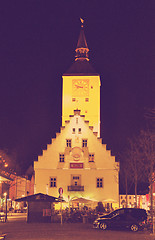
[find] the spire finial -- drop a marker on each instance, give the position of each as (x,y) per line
(82,48)
(82,21)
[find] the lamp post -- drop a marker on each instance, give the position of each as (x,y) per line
(5,194)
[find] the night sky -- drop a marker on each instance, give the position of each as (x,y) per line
(37,43)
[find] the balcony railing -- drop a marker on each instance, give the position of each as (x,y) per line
(75,188)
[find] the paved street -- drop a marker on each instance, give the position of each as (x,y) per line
(20,230)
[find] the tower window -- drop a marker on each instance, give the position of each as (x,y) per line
(69,142)
(73,130)
(99,182)
(79,130)
(61,157)
(91,157)
(53,182)
(86,99)
(76,120)
(84,142)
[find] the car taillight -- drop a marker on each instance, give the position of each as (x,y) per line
(142,223)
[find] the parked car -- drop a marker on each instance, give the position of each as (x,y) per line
(130,218)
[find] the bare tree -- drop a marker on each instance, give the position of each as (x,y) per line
(125,174)
(132,166)
(135,164)
(147,147)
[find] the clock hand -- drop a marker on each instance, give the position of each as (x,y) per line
(78,86)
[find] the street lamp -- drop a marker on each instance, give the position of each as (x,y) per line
(5,194)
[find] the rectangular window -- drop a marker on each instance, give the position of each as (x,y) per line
(61,157)
(53,182)
(99,182)
(84,142)
(86,99)
(76,120)
(79,130)
(69,142)
(73,130)
(75,178)
(73,99)
(91,157)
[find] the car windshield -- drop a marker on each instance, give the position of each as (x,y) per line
(110,215)
(114,213)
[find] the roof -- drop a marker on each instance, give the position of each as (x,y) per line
(81,65)
(6,176)
(37,198)
(83,68)
(82,43)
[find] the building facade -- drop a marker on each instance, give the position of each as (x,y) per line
(76,160)
(142,201)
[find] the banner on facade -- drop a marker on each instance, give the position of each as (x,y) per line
(76,165)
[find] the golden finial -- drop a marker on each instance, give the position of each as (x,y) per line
(82,21)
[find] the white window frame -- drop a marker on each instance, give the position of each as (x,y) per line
(99,182)
(61,157)
(53,182)
(79,130)
(68,142)
(84,142)
(91,157)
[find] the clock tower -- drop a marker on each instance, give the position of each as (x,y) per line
(81,87)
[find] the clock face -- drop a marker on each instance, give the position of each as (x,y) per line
(80,87)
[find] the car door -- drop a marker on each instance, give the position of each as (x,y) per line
(118,221)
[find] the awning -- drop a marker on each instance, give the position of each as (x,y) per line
(109,200)
(82,200)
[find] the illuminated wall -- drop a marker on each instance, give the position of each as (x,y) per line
(83,93)
(77,163)
(76,159)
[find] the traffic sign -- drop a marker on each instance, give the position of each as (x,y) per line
(60,191)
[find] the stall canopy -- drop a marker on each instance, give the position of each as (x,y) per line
(38,197)
(39,207)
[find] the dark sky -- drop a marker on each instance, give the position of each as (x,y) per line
(37,43)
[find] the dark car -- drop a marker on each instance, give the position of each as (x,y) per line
(138,213)
(130,218)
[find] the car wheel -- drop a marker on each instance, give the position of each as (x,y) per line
(134,227)
(103,226)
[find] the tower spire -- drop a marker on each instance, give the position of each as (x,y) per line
(82,47)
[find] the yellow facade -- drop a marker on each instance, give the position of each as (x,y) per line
(76,160)
(82,92)
(102,167)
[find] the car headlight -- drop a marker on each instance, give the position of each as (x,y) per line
(95,221)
